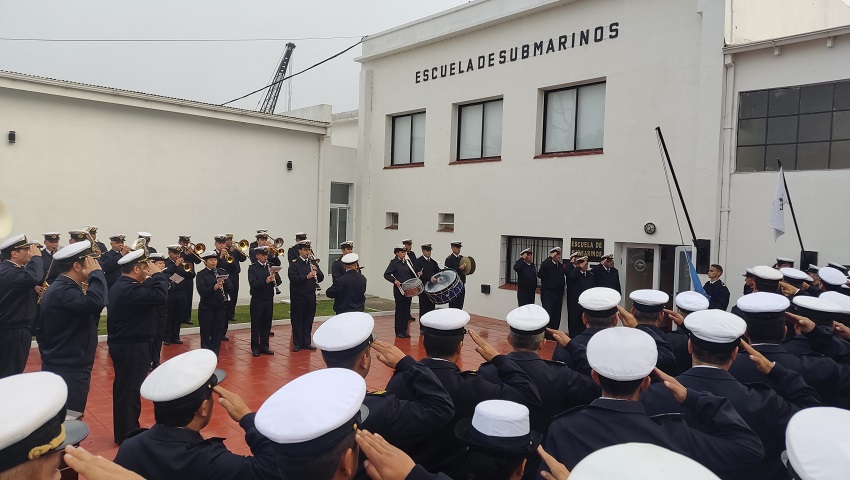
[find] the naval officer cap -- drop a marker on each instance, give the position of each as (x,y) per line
(639,461)
(313,413)
(32,413)
(299,234)
(816,443)
(15,242)
(51,236)
(345,335)
(787,260)
(832,276)
(75,251)
(575,254)
(498,427)
(156,256)
(842,301)
(748,273)
(821,311)
(349,259)
(184,238)
(209,254)
(408,241)
(554,250)
(261,234)
(399,248)
(263,249)
(346,244)
(145,235)
(610,256)
(527,250)
(135,256)
(117,237)
(648,300)
(221,238)
(599,302)
(528,319)
(795,275)
(303,244)
(78,235)
(427,247)
(763,305)
(838,266)
(175,248)
(180,385)
(457,244)
(444,322)
(813,269)
(691,301)
(622,354)
(715,330)
(766,278)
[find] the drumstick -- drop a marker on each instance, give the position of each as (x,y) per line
(399,284)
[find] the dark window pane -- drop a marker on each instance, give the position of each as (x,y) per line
(751,132)
(842,96)
(841,125)
(785,153)
(749,159)
(840,157)
(816,98)
(813,156)
(815,127)
(753,104)
(784,101)
(782,130)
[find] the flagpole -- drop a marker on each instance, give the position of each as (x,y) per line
(678,189)
(793,215)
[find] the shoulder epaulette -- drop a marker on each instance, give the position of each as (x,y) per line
(666,415)
(294,259)
(378,393)
(555,362)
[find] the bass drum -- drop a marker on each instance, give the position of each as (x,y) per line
(445,289)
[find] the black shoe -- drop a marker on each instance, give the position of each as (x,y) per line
(178,342)
(410,318)
(266,351)
(225,339)
(402,335)
(166,342)
(271,334)
(296,348)
(309,347)
(255,354)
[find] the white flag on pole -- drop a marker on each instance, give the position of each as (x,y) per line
(777,210)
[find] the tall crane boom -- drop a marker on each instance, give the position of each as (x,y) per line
(270,101)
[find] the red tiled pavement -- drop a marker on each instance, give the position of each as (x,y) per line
(256,378)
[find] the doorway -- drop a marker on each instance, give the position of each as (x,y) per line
(661,267)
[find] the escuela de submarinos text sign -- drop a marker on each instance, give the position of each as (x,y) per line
(592,248)
(521,52)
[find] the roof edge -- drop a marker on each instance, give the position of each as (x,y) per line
(788,40)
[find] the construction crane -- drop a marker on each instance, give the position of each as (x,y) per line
(270,101)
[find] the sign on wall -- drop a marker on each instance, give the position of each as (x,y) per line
(593,248)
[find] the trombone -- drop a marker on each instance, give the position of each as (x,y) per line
(195,249)
(243,246)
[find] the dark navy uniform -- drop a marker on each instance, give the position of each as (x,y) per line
(17,312)
(606,277)
(724,441)
(678,340)
(179,453)
(401,271)
(718,294)
(348,292)
(233,269)
(292,253)
(337,268)
(262,304)
(302,292)
(820,340)
(212,308)
(69,319)
(443,451)
(429,267)
(577,359)
(190,288)
(578,281)
(102,247)
(526,280)
(763,409)
(47,262)
(109,264)
(552,283)
(129,320)
(453,263)
(179,297)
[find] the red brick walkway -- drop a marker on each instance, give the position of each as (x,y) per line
(255,379)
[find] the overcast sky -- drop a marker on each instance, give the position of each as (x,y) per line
(209,72)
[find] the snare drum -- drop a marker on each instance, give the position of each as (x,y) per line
(412,287)
(445,289)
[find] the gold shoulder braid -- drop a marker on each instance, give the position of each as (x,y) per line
(40,450)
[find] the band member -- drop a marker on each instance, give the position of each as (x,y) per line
(408,247)
(453,263)
(69,313)
(337,269)
(109,260)
(426,267)
(552,283)
(179,291)
(264,233)
(21,270)
(606,275)
(293,251)
(718,293)
(349,289)
(147,237)
(234,268)
(578,280)
(214,288)
(398,271)
(158,333)
(132,313)
(93,232)
(262,282)
(303,275)
(75,236)
(526,278)
(184,241)
(51,246)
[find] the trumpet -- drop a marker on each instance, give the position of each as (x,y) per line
(275,252)
(187,266)
(195,249)
(227,256)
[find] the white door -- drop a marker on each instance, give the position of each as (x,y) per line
(640,264)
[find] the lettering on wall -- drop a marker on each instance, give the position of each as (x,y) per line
(520,52)
(593,248)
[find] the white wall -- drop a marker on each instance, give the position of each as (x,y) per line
(756,20)
(344,129)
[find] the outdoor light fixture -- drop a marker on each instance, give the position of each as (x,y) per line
(11,136)
(289,165)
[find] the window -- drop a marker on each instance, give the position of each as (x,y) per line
(408,139)
(574,119)
(479,130)
(446,222)
(806,127)
(511,246)
(392,220)
(338,231)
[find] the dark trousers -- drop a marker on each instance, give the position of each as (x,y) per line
(158,334)
(261,322)
(231,305)
(79,383)
(525,296)
(302,313)
(212,322)
(574,321)
(425,304)
(552,301)
(402,311)
(457,302)
(187,308)
(14,350)
(176,308)
(132,362)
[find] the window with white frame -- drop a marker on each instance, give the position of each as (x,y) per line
(574,118)
(392,220)
(479,132)
(446,222)
(408,139)
(339,215)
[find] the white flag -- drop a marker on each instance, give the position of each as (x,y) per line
(777,210)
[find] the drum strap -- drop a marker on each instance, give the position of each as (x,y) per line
(410,266)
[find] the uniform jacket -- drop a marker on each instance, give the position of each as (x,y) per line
(820,340)
(184,287)
(526,275)
(551,276)
(603,277)
(234,268)
(348,292)
(68,319)
(577,283)
(299,284)
(398,270)
(578,358)
(133,308)
(718,295)
(17,293)
(177,453)
(211,298)
(453,263)
(292,253)
(257,275)
(428,266)
(337,268)
(109,264)
(46,262)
